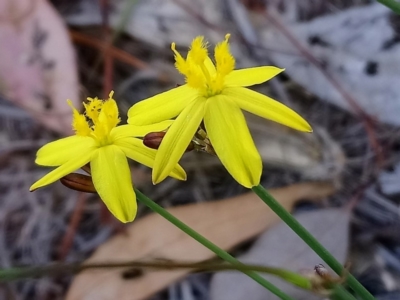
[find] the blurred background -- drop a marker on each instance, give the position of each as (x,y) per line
(342,61)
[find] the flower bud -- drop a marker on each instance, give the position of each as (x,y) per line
(79,182)
(153,140)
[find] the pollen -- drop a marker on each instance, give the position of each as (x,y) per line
(93,108)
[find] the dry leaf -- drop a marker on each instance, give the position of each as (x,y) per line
(281,247)
(227,223)
(37,62)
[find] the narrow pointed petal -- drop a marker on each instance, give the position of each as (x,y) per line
(231,139)
(161,107)
(267,108)
(59,152)
(251,76)
(177,139)
(124,131)
(135,150)
(112,179)
(66,168)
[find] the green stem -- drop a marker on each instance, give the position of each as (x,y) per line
(205,242)
(393,5)
(340,293)
(311,241)
(57,269)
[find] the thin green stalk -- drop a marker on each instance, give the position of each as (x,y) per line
(340,293)
(57,269)
(311,241)
(392,4)
(205,242)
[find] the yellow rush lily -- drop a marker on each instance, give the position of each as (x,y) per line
(215,94)
(105,145)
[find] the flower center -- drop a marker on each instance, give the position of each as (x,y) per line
(200,72)
(99,118)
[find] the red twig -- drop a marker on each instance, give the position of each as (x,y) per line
(76,217)
(116,53)
(108,59)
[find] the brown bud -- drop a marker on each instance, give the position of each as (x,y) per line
(79,182)
(321,271)
(154,139)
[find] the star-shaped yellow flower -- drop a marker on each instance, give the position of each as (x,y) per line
(214,94)
(105,145)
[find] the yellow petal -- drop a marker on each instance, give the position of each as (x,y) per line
(161,107)
(66,168)
(59,152)
(251,76)
(267,108)
(124,131)
(177,139)
(112,179)
(231,139)
(135,150)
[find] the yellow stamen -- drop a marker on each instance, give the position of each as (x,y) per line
(110,95)
(197,74)
(205,72)
(109,114)
(79,123)
(198,50)
(225,62)
(180,62)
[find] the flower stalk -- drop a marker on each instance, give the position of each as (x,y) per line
(205,242)
(340,293)
(128,267)
(392,4)
(311,241)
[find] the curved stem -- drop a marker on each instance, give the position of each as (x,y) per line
(393,5)
(205,242)
(340,293)
(311,241)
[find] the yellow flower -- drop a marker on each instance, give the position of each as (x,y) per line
(214,93)
(105,145)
